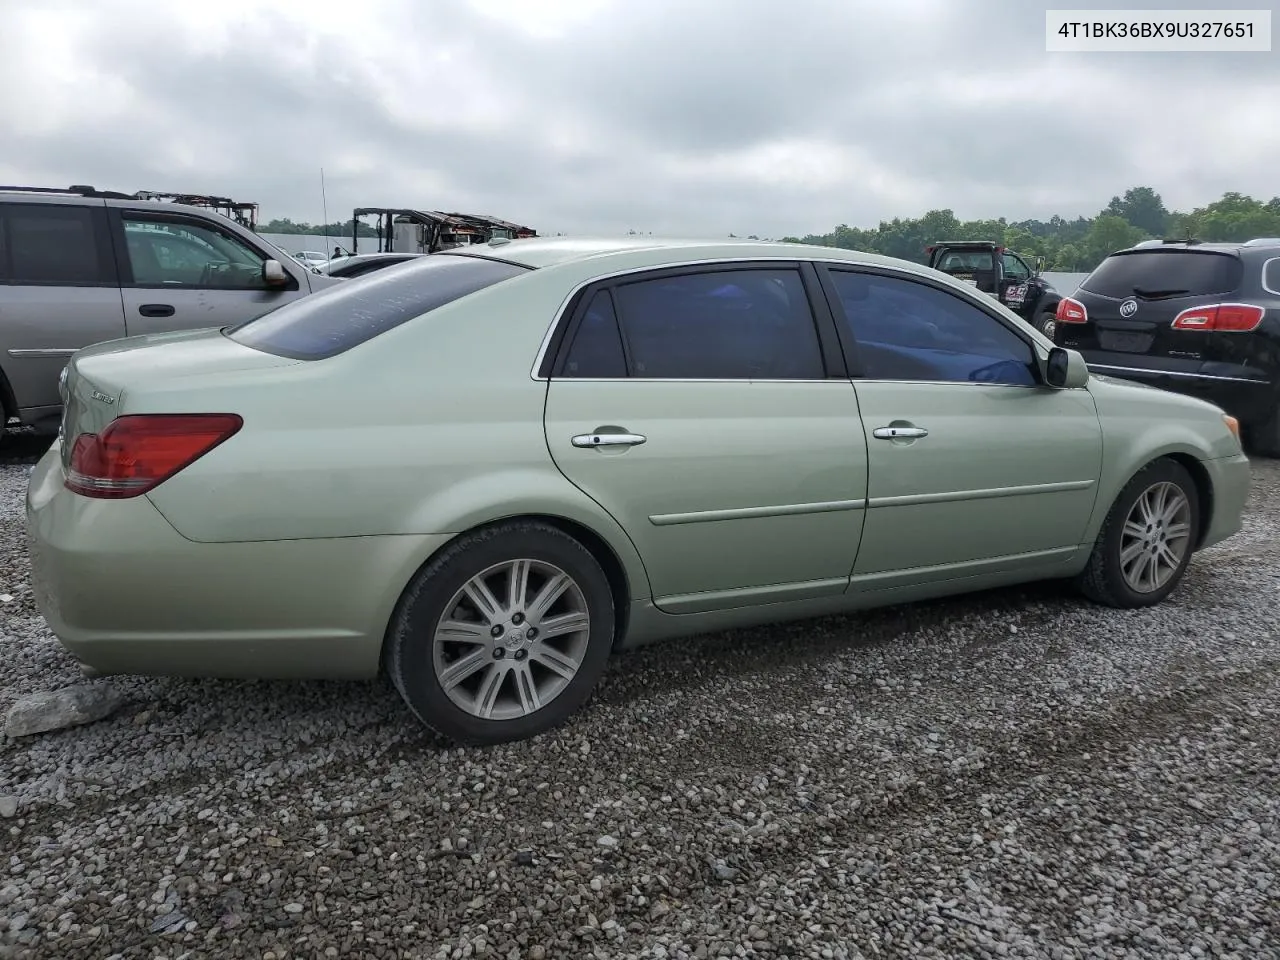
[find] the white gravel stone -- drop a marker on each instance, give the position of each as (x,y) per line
(924,781)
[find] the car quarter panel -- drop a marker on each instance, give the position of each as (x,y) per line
(314,608)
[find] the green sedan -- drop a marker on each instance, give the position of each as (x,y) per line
(484,471)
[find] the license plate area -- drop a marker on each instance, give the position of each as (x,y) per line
(1125,341)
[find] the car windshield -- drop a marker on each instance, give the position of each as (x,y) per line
(333,321)
(1158,274)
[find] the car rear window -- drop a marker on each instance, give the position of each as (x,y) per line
(333,321)
(1165,273)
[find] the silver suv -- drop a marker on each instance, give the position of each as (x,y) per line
(79,266)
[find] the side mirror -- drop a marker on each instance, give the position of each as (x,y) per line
(1039,265)
(273,273)
(1065,369)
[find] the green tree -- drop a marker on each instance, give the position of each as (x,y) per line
(1141,207)
(1107,235)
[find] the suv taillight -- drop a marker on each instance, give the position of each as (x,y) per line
(1220,318)
(136,453)
(1071,311)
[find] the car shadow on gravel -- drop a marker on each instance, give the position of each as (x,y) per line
(20,446)
(301,711)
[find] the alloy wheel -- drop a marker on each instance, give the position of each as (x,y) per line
(511,639)
(1156,537)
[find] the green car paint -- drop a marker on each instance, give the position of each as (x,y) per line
(284,551)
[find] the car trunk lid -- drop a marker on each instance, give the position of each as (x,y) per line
(101,380)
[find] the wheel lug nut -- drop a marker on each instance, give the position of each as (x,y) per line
(517,618)
(532,633)
(520,654)
(495,630)
(498,653)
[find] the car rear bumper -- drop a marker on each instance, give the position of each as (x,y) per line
(1229,478)
(1238,390)
(125,593)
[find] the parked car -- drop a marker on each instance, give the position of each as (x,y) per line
(1000,273)
(1195,318)
(312,258)
(80,266)
(365,263)
(524,455)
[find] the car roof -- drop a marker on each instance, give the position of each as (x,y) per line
(1206,246)
(552,251)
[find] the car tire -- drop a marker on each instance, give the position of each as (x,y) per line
(1045,322)
(1109,577)
(501,664)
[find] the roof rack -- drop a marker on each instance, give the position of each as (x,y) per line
(75,190)
(245,214)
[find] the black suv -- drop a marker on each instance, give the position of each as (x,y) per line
(1196,318)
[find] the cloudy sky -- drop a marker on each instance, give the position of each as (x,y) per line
(692,117)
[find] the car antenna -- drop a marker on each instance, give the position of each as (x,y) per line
(324,207)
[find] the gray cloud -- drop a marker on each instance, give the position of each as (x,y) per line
(688,118)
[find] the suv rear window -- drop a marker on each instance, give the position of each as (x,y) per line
(1165,273)
(333,321)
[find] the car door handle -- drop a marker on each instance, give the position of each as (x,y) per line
(899,433)
(156,310)
(608,440)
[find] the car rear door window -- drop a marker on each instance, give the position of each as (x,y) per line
(596,351)
(340,317)
(742,324)
(55,244)
(908,330)
(1160,274)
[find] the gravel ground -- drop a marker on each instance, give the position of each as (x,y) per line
(1018,774)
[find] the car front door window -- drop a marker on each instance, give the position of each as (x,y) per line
(1015,269)
(173,253)
(909,330)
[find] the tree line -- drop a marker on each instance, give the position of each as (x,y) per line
(339,228)
(1069,246)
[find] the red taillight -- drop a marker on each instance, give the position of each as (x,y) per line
(136,453)
(1220,318)
(1071,311)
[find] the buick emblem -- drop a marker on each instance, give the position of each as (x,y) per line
(1128,308)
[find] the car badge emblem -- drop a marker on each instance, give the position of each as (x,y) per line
(1128,308)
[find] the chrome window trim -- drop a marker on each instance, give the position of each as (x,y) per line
(1266,263)
(962,290)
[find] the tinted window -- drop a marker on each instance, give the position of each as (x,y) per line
(341,317)
(966,261)
(1169,273)
(53,244)
(722,325)
(181,254)
(907,330)
(596,350)
(1270,275)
